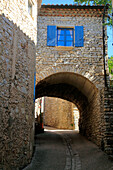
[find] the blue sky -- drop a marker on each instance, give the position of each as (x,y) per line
(109,31)
(110,41)
(57,2)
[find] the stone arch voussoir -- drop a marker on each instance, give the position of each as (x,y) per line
(71,69)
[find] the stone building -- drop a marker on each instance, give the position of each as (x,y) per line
(18,38)
(71,65)
(54,52)
(74,72)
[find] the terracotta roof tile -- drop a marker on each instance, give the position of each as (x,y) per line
(73,5)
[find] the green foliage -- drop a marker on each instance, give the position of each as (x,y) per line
(99,2)
(94,2)
(72,124)
(110,64)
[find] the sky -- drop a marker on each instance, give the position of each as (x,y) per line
(109,31)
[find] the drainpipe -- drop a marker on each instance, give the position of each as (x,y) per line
(104,54)
(112,22)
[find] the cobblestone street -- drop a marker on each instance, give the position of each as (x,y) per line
(67,150)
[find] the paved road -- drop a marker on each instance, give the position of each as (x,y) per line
(67,150)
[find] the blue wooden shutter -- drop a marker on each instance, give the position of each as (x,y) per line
(51,35)
(34,86)
(79,36)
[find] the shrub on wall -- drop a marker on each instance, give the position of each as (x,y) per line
(110,64)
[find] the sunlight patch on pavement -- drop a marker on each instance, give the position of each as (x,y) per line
(59,130)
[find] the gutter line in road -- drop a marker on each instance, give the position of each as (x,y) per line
(72,159)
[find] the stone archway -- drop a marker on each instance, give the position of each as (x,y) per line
(82,92)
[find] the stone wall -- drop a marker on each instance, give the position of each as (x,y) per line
(17,66)
(17,11)
(58,113)
(108,125)
(91,119)
(76,73)
(18,32)
(87,60)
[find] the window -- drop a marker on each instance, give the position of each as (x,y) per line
(30,7)
(65,37)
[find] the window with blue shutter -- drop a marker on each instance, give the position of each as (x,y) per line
(79,36)
(65,36)
(51,35)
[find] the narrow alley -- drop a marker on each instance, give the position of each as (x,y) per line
(55,50)
(67,150)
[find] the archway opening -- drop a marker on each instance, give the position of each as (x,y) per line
(56,113)
(80,91)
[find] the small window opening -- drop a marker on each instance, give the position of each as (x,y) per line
(65,37)
(30,7)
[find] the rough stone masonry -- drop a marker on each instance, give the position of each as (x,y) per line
(58,113)
(18,32)
(75,74)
